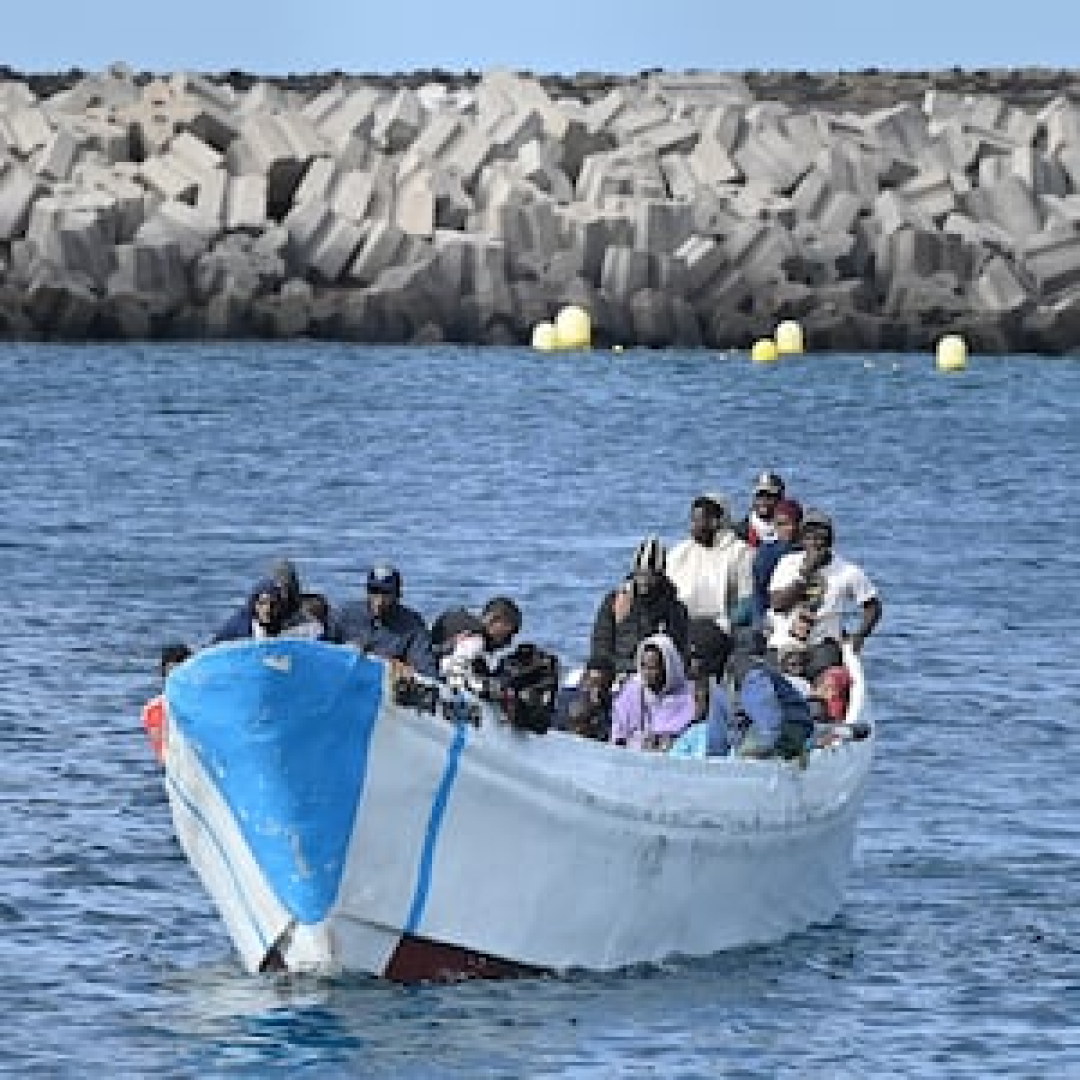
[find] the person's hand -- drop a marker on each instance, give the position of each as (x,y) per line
(624,601)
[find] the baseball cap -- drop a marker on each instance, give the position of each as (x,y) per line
(769,483)
(384,579)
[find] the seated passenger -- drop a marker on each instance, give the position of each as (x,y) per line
(771,717)
(656,704)
(645,604)
(585,709)
(383,626)
(259,617)
(711,568)
(465,643)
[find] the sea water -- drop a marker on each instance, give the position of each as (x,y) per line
(145,488)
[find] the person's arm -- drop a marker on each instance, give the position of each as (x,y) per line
(871,616)
(420,656)
(791,579)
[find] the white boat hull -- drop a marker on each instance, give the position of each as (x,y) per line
(479,850)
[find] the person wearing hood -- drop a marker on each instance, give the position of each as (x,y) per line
(656,704)
(291,619)
(711,568)
(645,603)
(259,617)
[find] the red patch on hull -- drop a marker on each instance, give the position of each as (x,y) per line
(418,960)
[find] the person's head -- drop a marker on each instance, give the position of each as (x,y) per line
(787,517)
(502,620)
(816,531)
(791,660)
(651,667)
(383,589)
(803,617)
(650,562)
(284,572)
(709,647)
(708,515)
(267,608)
(598,677)
(173,655)
(768,491)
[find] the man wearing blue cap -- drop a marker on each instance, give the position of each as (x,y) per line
(383,626)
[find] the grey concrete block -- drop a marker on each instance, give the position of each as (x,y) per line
(382,248)
(1042,174)
(620,173)
(1060,123)
(700,90)
(18,189)
(999,288)
(625,271)
(1009,204)
(932,194)
(154,266)
(414,205)
(661,225)
(57,157)
(398,121)
(679,177)
(703,261)
(1053,260)
(178,223)
(767,158)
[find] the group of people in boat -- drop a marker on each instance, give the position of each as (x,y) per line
(729,643)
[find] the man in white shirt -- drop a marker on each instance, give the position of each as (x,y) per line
(712,567)
(820,578)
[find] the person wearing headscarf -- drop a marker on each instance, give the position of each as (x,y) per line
(259,617)
(645,603)
(656,704)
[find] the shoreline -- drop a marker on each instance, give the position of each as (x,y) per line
(695,209)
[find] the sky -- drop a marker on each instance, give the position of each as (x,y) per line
(277,37)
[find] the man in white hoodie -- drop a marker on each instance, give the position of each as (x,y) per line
(712,567)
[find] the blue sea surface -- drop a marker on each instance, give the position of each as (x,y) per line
(145,488)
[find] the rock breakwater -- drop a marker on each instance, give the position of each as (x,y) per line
(880,210)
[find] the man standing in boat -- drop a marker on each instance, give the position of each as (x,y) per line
(818,577)
(383,626)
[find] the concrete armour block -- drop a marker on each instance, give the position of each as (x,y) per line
(398,122)
(57,157)
(75,231)
(651,319)
(1053,260)
(1043,175)
(901,129)
(978,233)
(703,260)
(625,271)
(513,92)
(18,189)
(538,162)
(414,205)
(1061,211)
(334,247)
(154,266)
(1009,204)
(674,137)
(702,90)
(931,194)
(245,202)
(998,288)
(210,199)
(381,248)
(679,177)
(660,226)
(26,129)
(178,223)
(620,173)
(1060,120)
(316,182)
(169,178)
(352,194)
(439,133)
(768,159)
(635,120)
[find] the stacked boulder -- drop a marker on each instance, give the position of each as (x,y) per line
(676,209)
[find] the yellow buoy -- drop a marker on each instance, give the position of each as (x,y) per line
(951,353)
(764,351)
(789,337)
(573,328)
(545,338)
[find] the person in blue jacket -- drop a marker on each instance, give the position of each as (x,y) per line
(771,717)
(382,625)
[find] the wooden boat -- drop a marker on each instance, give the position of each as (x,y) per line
(339,823)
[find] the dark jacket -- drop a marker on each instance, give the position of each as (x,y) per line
(401,635)
(766,556)
(660,613)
